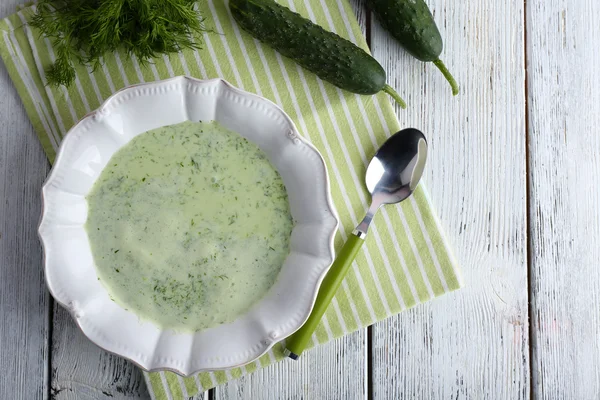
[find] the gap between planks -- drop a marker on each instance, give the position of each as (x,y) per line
(528,227)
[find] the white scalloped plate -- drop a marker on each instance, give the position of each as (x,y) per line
(69,267)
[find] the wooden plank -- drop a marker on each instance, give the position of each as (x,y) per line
(81,370)
(23,298)
(333,371)
(473,343)
(24,301)
(564,160)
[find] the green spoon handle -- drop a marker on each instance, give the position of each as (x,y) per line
(297,342)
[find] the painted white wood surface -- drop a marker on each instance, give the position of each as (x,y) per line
(472,344)
(564,160)
(336,370)
(83,371)
(23,300)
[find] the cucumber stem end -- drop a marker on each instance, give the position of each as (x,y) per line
(389,90)
(438,63)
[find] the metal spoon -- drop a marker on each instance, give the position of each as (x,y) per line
(392,176)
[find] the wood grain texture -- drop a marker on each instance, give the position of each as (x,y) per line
(23,300)
(564,154)
(333,371)
(81,370)
(472,344)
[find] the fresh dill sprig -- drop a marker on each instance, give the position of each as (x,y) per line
(85,30)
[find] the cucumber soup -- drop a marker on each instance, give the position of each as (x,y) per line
(189,225)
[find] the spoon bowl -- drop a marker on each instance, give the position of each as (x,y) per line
(394,172)
(396,168)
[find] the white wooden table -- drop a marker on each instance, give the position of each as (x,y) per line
(513,172)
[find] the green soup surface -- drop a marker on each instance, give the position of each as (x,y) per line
(189,225)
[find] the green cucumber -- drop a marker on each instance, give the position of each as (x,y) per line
(327,55)
(411,23)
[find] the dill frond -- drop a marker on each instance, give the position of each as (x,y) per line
(85,30)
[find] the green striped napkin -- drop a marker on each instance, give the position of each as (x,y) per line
(406,260)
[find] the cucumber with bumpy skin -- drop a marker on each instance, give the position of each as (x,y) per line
(327,55)
(410,22)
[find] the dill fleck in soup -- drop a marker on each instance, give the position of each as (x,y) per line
(189,225)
